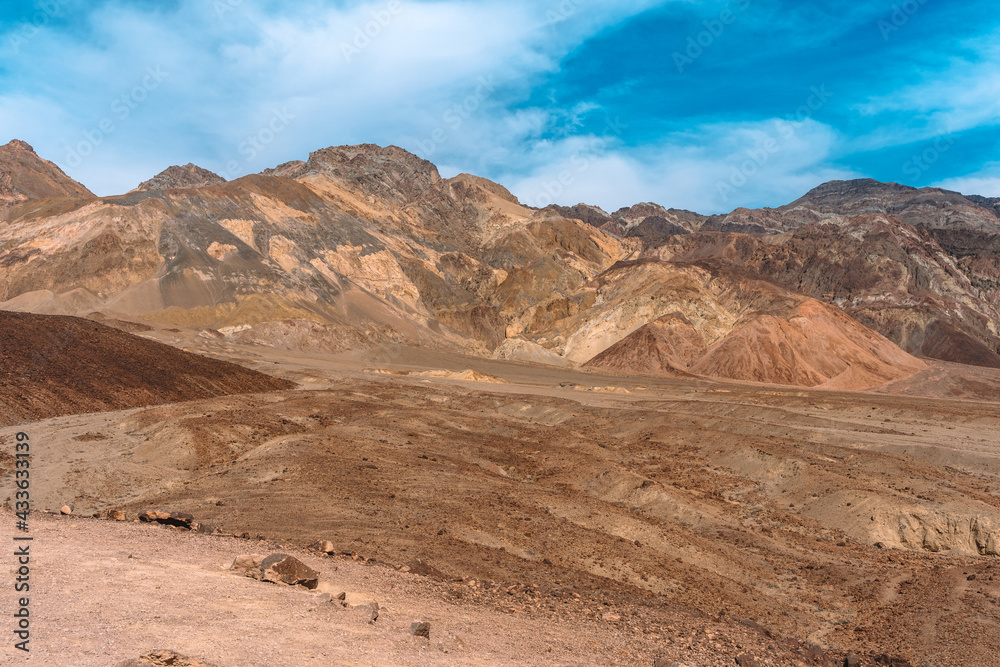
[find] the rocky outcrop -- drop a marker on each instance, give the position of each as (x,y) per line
(288,570)
(25,176)
(177,178)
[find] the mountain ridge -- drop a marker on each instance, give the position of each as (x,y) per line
(374,247)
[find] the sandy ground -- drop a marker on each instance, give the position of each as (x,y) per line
(105,592)
(610,517)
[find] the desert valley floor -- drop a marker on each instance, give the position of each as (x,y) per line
(533,515)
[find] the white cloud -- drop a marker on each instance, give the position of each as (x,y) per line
(961,97)
(230,73)
(710,169)
(985,182)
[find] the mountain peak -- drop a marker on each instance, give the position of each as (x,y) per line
(176,178)
(17,144)
(24,175)
(390,172)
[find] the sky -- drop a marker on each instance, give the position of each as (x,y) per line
(702,105)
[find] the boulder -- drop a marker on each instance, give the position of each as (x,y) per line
(324,546)
(248,566)
(179,519)
(285,569)
(420,629)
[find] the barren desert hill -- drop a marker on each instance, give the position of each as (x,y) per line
(58,365)
(24,175)
(826,523)
(180,177)
(363,246)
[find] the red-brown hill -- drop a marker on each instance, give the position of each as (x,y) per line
(57,365)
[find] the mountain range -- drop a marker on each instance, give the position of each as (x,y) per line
(854,285)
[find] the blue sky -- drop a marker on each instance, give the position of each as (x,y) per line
(702,105)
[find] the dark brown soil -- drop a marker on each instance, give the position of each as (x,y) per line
(55,365)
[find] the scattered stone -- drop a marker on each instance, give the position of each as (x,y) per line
(164,659)
(610,617)
(424,570)
(248,566)
(324,546)
(420,629)
(852,661)
(205,529)
(179,519)
(285,569)
(971,577)
(746,660)
(65,509)
(114,514)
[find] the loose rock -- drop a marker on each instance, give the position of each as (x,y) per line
(65,509)
(179,519)
(285,569)
(248,566)
(164,659)
(420,629)
(324,546)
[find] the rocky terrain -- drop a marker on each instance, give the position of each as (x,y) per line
(363,246)
(174,178)
(558,436)
(676,518)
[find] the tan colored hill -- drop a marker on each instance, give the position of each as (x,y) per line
(53,365)
(810,345)
(175,177)
(365,246)
(24,176)
(364,237)
(732,327)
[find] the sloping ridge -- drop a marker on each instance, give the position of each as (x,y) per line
(58,365)
(175,177)
(24,175)
(808,344)
(665,347)
(811,344)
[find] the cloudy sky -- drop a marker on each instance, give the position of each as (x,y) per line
(702,105)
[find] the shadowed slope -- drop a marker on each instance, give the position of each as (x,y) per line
(55,365)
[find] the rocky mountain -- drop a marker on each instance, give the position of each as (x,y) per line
(362,246)
(25,176)
(919,266)
(178,178)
